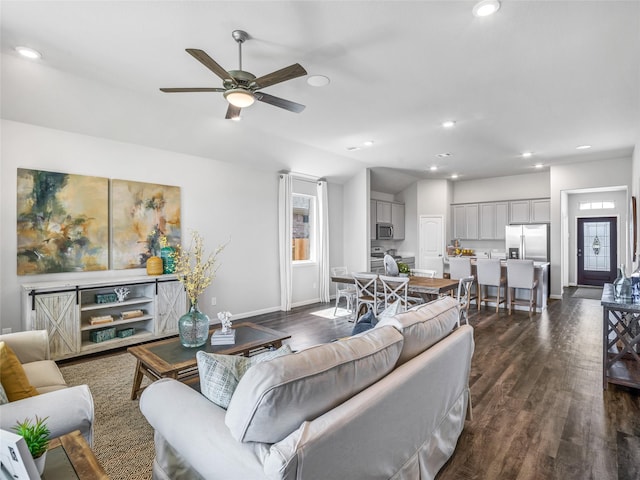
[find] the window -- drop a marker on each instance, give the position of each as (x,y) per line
(303,228)
(596,205)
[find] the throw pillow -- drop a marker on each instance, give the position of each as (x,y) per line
(14,380)
(220,374)
(364,323)
(3,395)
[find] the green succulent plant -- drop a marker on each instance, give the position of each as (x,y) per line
(36,435)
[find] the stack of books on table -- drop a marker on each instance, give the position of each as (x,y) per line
(226,338)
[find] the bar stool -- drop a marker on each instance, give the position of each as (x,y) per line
(520,274)
(460,267)
(490,275)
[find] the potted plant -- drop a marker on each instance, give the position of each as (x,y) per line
(36,436)
(403,269)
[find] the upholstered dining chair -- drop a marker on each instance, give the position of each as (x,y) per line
(395,290)
(343,290)
(490,275)
(366,292)
(464,293)
(520,274)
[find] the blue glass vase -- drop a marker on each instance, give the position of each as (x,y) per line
(193,327)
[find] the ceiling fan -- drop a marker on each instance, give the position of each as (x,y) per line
(241,88)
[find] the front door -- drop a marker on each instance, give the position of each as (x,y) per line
(597,250)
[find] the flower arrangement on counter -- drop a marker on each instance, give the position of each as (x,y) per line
(195,270)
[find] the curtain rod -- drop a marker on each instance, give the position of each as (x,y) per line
(303,177)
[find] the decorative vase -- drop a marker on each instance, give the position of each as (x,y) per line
(39,462)
(622,286)
(168,262)
(154,266)
(193,327)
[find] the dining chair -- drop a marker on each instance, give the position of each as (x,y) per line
(489,273)
(395,290)
(520,274)
(390,266)
(343,290)
(460,267)
(464,293)
(366,292)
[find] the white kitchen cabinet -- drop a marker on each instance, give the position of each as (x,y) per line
(493,219)
(70,312)
(520,211)
(397,219)
(383,212)
(540,210)
(465,221)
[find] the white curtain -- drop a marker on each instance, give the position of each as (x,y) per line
(323,242)
(285,214)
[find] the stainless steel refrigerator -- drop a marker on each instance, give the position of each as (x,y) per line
(529,241)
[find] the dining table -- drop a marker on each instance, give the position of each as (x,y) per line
(423,286)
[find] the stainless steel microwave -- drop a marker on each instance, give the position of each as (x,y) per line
(384,231)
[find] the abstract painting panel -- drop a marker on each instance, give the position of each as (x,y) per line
(62,222)
(141,213)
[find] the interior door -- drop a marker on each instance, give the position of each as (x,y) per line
(431,240)
(597,250)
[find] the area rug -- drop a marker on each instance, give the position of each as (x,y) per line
(328,313)
(589,293)
(122,438)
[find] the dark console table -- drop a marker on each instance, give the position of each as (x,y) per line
(621,340)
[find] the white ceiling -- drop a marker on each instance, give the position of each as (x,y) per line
(543,76)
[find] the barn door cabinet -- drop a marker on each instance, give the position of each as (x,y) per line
(73,313)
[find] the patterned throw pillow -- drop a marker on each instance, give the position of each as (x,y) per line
(220,374)
(3,396)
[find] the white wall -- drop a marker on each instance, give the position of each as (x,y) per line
(573,213)
(635,187)
(514,187)
(602,173)
(357,213)
(220,200)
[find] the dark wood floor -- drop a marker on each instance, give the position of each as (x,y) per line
(536,385)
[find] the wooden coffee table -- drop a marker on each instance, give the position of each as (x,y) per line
(70,457)
(169,359)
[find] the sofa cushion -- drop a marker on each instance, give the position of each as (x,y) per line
(13,377)
(423,325)
(44,376)
(274,398)
(220,374)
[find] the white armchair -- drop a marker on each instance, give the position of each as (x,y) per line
(67,408)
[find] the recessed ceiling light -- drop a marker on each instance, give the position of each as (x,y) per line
(454,176)
(368,143)
(583,147)
(486,8)
(353,149)
(443,155)
(449,124)
(433,168)
(318,80)
(527,154)
(29,53)
(538,165)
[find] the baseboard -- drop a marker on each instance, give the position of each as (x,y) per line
(305,302)
(238,316)
(555,297)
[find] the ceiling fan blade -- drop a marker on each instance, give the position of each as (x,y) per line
(232,112)
(210,63)
(286,73)
(279,102)
(176,90)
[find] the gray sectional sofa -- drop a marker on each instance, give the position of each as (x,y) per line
(390,402)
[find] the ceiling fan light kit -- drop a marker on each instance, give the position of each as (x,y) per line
(241,88)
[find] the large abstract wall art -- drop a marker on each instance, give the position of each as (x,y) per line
(141,214)
(62,222)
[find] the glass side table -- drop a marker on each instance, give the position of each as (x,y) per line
(70,457)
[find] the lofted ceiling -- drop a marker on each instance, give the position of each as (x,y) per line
(539,76)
